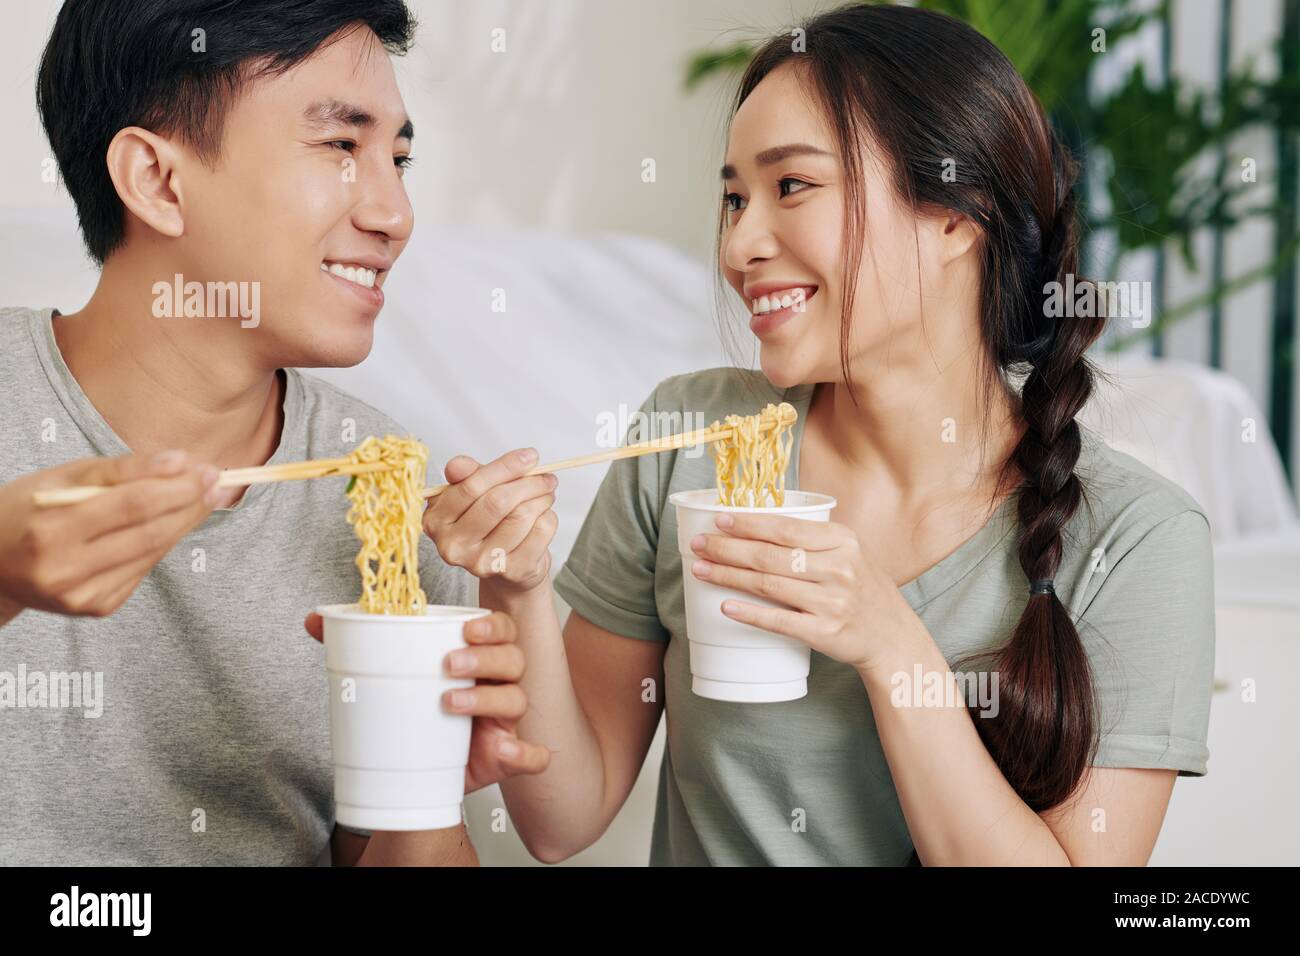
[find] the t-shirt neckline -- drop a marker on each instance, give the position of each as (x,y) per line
(108,443)
(950,569)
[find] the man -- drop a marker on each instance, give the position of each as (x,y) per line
(237,172)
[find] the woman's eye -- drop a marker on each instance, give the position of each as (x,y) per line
(403,162)
(787,190)
(734,202)
(344,144)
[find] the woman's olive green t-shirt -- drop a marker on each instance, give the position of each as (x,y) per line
(805,782)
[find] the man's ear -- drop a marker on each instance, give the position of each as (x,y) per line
(145,169)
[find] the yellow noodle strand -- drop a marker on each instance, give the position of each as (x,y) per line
(386,509)
(750,465)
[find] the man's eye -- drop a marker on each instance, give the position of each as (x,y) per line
(787,190)
(734,202)
(344,144)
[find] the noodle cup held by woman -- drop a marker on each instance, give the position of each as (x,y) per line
(732,660)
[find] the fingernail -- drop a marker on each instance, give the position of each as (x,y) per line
(552,481)
(528,456)
(698,543)
(460,661)
(167,460)
(508,749)
(701,568)
(462,699)
(725,521)
(728,607)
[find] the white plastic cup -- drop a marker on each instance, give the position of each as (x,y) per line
(399,756)
(731,660)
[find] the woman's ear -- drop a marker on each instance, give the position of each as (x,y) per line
(145,168)
(957,236)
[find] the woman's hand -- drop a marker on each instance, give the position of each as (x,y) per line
(838,602)
(496,702)
(494,523)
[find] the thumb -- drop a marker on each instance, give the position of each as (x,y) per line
(315,626)
(460,468)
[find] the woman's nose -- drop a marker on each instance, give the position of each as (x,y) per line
(749,241)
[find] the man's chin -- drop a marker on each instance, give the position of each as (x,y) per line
(336,349)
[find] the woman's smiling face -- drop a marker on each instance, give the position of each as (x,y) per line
(784,190)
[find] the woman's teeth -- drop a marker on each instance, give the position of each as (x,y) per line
(780,300)
(358,274)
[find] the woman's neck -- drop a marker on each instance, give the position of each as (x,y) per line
(918,433)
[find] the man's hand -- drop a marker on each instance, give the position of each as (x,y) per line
(87,558)
(496,702)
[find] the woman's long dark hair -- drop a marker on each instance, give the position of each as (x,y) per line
(935,95)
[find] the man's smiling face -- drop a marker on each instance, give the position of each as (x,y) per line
(309,175)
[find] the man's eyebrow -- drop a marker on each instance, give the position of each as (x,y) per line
(338,113)
(775,154)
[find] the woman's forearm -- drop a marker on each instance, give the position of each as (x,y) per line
(959,808)
(562,810)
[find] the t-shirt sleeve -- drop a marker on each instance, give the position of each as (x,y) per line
(609,577)
(1149,633)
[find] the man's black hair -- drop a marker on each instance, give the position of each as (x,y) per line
(110,64)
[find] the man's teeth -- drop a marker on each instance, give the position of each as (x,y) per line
(779,300)
(358,274)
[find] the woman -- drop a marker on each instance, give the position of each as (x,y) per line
(903,176)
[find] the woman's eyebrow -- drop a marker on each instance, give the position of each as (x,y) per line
(338,113)
(776,154)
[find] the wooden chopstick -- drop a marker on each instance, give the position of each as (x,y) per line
(228,478)
(700,436)
(331,467)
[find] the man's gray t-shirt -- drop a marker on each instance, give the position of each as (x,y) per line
(211,745)
(1136,576)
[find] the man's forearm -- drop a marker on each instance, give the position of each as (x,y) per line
(448,847)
